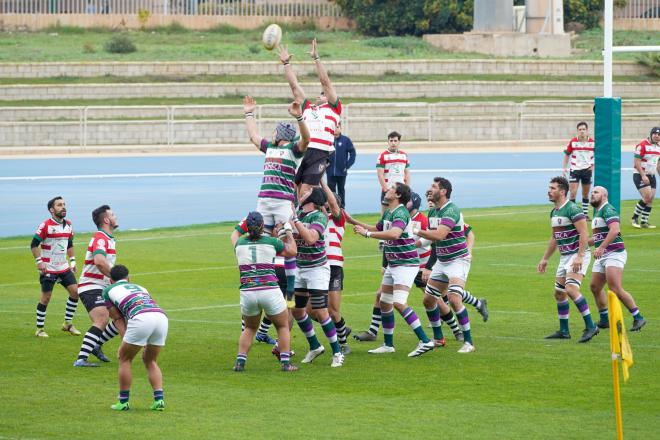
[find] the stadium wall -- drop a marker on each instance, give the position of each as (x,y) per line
(377,67)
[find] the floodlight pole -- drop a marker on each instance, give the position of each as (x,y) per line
(607,52)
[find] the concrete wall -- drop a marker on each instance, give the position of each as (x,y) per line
(377,67)
(397,90)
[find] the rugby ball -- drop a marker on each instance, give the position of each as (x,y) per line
(272,36)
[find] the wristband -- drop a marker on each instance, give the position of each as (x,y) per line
(38,260)
(299,118)
(317,58)
(367,234)
(72,261)
(285,63)
(249,115)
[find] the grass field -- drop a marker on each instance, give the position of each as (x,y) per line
(515,386)
(174,43)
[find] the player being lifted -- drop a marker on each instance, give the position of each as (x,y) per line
(51,244)
(321,119)
(570,236)
(276,195)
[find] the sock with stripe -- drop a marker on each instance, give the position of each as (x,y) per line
(90,340)
(264,326)
(604,315)
(450,320)
(585,206)
(646,214)
(640,209)
(635,314)
(388,327)
(583,307)
(467,298)
(341,330)
(290,269)
(159,395)
(331,333)
(464,322)
(241,359)
(376,319)
(436,322)
(563,313)
(109,333)
(71,305)
(307,328)
(285,357)
(123,396)
(413,321)
(41,315)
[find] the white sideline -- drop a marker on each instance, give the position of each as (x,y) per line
(260,173)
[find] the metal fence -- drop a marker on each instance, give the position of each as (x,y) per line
(639,9)
(363,122)
(273,8)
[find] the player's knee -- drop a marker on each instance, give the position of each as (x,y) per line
(455,289)
(560,288)
(301,301)
(400,297)
(433,291)
(319,299)
(573,284)
(387,298)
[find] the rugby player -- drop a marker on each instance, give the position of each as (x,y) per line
(392,166)
(51,244)
(609,259)
(580,152)
(395,227)
(646,163)
(142,324)
(570,235)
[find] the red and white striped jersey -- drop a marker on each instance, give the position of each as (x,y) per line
(54,238)
(394,164)
(322,121)
(649,154)
(92,278)
(582,153)
(421,222)
(335,235)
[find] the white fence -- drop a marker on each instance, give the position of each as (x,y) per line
(639,9)
(223,124)
(273,8)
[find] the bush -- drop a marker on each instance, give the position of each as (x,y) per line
(119,44)
(652,60)
(412,17)
(587,12)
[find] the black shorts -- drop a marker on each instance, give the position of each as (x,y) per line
(281,280)
(418,280)
(48,280)
(312,167)
(92,299)
(583,176)
(336,279)
(382,198)
(637,178)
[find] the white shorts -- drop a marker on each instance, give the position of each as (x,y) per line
(443,272)
(611,259)
(566,263)
(149,328)
(317,278)
(270,301)
(274,211)
(403,275)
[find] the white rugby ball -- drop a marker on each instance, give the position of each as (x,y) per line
(272,36)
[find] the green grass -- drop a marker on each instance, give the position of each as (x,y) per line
(515,386)
(237,100)
(226,43)
(337,79)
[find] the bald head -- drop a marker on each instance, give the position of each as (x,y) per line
(598,196)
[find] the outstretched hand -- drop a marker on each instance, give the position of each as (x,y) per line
(249,104)
(314,53)
(295,109)
(283,52)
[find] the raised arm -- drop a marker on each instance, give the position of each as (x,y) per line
(295,110)
(290,75)
(335,209)
(328,88)
(249,105)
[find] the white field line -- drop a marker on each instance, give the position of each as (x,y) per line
(259,173)
(354,257)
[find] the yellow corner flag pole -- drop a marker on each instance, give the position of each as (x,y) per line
(619,347)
